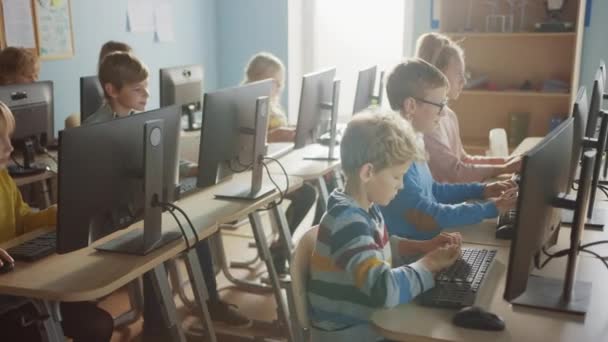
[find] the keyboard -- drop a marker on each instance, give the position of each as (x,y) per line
(19,171)
(457,286)
(36,248)
(510,217)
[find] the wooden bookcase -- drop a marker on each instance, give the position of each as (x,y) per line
(509,59)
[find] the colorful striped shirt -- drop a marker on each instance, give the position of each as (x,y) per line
(351,273)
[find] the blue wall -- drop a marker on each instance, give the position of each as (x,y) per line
(95,22)
(594,42)
(245,27)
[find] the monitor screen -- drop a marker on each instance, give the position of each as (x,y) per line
(101,170)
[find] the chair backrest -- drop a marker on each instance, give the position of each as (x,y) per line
(499,146)
(299,270)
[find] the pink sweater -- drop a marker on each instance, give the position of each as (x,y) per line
(448,161)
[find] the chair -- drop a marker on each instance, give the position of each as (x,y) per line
(295,285)
(499,146)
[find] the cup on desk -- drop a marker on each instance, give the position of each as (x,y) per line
(518,127)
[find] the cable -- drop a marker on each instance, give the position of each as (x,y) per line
(17,162)
(281,193)
(558,254)
(181,228)
(603,189)
(45,151)
(590,244)
(602,259)
(173,206)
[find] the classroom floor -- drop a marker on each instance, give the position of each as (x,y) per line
(260,306)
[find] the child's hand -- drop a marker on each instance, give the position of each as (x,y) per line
(506,201)
(5,257)
(496,189)
(442,240)
(441,257)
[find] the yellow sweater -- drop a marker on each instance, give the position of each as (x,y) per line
(16,217)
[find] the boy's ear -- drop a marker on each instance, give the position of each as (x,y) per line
(409,105)
(111,90)
(366,172)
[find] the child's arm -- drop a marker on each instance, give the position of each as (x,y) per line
(28,220)
(457,193)
(429,215)
(355,251)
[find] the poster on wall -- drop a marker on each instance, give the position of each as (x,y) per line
(54,29)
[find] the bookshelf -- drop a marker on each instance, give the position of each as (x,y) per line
(508,59)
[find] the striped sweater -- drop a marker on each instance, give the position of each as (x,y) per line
(351,273)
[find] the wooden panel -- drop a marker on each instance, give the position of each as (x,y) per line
(479,114)
(509,60)
(454,14)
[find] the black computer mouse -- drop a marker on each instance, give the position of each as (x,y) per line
(473,317)
(505,232)
(6,267)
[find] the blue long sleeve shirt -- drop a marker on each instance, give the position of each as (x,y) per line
(423,208)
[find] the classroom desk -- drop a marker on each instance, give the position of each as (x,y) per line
(44,179)
(411,322)
(87,274)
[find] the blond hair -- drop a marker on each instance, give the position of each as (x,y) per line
(412,78)
(438,49)
(16,61)
(384,140)
(112,46)
(120,68)
(7,120)
(262,66)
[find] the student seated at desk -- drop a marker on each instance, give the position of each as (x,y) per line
(18,65)
(263,66)
(425,207)
(448,160)
(112,46)
(124,79)
(82,321)
(350,268)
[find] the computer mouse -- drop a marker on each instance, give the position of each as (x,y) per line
(7,267)
(473,317)
(505,232)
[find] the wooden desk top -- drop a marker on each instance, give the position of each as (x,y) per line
(87,274)
(417,323)
(295,165)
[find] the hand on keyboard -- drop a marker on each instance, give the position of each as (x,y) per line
(496,189)
(441,257)
(507,201)
(441,240)
(5,257)
(512,165)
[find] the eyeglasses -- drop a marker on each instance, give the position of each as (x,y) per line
(440,105)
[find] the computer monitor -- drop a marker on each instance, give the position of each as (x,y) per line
(318,110)
(595,105)
(91,96)
(580,111)
(32,107)
(102,171)
(541,197)
(597,217)
(183,86)
(233,138)
(364,94)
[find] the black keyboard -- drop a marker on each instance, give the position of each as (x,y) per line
(510,217)
(457,286)
(36,248)
(19,171)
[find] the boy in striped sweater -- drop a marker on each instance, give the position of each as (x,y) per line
(350,272)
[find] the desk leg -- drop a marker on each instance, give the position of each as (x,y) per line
(52,325)
(278,216)
(160,283)
(260,238)
(200,290)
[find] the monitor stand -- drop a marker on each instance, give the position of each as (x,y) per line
(243,191)
(133,243)
(547,293)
